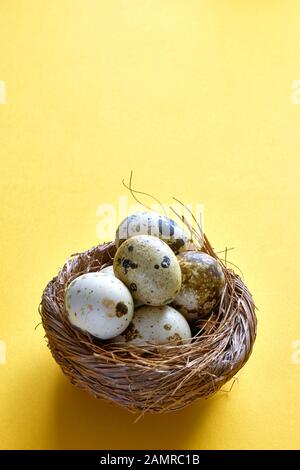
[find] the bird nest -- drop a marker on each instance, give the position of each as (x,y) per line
(147,378)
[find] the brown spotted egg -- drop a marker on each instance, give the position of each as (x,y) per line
(149,268)
(156,325)
(99,304)
(152,223)
(202,284)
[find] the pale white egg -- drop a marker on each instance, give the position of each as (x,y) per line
(155,224)
(156,325)
(99,304)
(149,268)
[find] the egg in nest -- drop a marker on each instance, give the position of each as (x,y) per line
(203,282)
(156,325)
(99,304)
(149,268)
(156,225)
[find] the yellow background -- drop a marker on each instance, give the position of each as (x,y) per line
(195,96)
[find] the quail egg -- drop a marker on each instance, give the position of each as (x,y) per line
(149,268)
(202,284)
(152,223)
(156,325)
(99,304)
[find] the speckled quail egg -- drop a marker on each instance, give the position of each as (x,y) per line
(149,268)
(156,325)
(152,223)
(202,284)
(99,304)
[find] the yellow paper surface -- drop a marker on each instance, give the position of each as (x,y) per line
(201,100)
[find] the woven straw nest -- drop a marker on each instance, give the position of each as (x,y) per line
(164,378)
